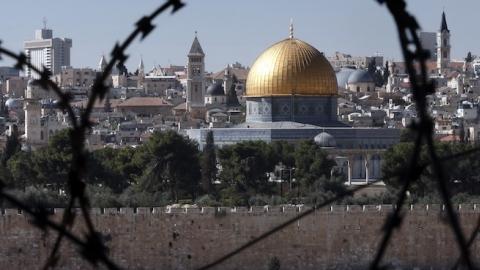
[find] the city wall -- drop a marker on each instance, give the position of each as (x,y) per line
(337,237)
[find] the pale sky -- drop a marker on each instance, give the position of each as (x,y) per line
(229,30)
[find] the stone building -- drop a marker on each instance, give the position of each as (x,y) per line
(145,106)
(69,77)
(360,81)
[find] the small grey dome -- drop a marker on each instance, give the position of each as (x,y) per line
(342,76)
(325,140)
(360,76)
(215,89)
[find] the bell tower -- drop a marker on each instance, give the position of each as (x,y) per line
(196,76)
(443,46)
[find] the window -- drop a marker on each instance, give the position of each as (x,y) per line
(358,89)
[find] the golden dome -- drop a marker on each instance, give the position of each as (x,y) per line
(291,67)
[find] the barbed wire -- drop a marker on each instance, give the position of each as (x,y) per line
(92,247)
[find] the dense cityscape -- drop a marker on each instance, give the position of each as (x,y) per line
(290,129)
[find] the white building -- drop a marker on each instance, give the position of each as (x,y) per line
(44,50)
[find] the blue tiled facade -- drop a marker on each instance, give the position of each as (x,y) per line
(315,110)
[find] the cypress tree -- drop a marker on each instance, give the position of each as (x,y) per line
(209,164)
(232,100)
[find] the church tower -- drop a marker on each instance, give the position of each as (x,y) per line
(195,76)
(443,46)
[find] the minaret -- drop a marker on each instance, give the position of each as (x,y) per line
(102,64)
(33,114)
(141,74)
(227,79)
(443,46)
(196,76)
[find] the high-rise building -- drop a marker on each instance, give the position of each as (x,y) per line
(429,43)
(443,46)
(45,50)
(196,76)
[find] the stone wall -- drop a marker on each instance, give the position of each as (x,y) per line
(338,237)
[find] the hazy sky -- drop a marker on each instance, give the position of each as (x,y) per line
(231,30)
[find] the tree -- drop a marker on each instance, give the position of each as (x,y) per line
(463,175)
(209,163)
(232,99)
(117,168)
(12,146)
(52,163)
(311,163)
(20,168)
(244,166)
(372,68)
(469,57)
(461,132)
(386,73)
(174,165)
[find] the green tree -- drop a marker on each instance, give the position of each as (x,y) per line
(12,146)
(244,166)
(232,99)
(386,73)
(116,168)
(311,163)
(462,175)
(20,168)
(52,163)
(208,164)
(174,165)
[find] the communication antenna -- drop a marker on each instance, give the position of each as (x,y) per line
(44,23)
(291,28)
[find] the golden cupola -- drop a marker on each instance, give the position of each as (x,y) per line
(291,67)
